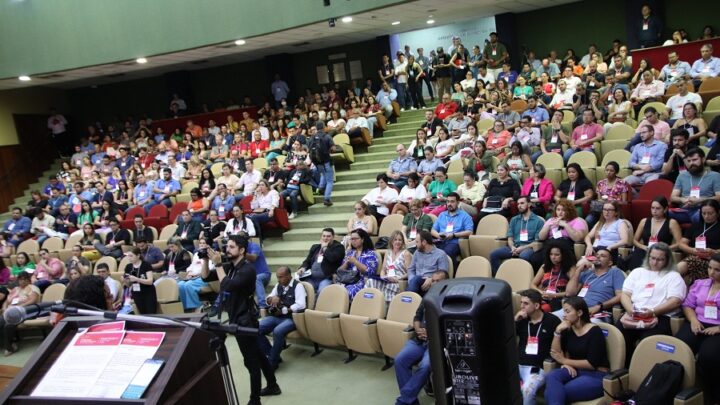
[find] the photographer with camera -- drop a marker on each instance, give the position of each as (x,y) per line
(237,279)
(287,297)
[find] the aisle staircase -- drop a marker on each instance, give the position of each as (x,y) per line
(351,185)
(23,200)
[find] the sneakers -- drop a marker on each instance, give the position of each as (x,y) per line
(412,108)
(213,312)
(402,109)
(291,216)
(270,390)
(328,203)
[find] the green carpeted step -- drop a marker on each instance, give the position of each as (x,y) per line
(320,220)
(364,184)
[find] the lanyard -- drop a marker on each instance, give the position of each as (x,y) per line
(557,280)
(539,324)
(705,228)
(699,182)
(714,296)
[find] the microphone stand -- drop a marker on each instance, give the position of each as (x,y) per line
(217,342)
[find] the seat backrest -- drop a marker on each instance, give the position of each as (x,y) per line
(110,261)
(584,159)
(53,244)
(516,272)
(168,231)
(474,266)
(657,349)
(713,104)
(619,156)
(403,307)
(154,232)
(709,84)
(655,188)
(123,263)
(176,210)
(72,241)
(455,166)
(484,125)
(167,290)
(492,225)
(620,132)
(216,169)
(373,221)
(551,161)
(341,139)
(310,291)
(135,211)
(655,104)
(389,224)
(54,292)
(333,298)
(158,211)
(369,302)
(615,343)
(518,105)
(29,246)
(187,187)
(260,164)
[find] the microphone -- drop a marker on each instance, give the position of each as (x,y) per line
(16,315)
(231,329)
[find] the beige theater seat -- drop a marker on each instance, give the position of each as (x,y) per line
(652,350)
(486,238)
(300,331)
(30,247)
(397,327)
(110,261)
(168,297)
(519,274)
(390,223)
(54,292)
(474,266)
(165,234)
(359,327)
(615,344)
(323,323)
(54,244)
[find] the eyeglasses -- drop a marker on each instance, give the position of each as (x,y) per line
(608,209)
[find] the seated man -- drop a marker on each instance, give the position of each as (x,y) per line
(538,115)
(151,254)
(446,108)
(258,146)
(163,190)
(600,285)
(142,193)
(527,135)
(676,104)
(693,186)
(113,286)
(661,129)
(401,167)
(192,284)
(426,260)
(706,66)
(42,226)
(522,232)
(534,330)
(584,136)
(427,167)
(248,181)
(188,230)
(355,125)
(17,228)
(510,118)
(676,71)
(56,200)
(78,262)
(648,90)
(451,226)
(286,297)
(385,97)
(141,230)
(322,261)
(675,157)
(415,352)
(647,158)
(114,240)
(177,171)
(431,123)
(52,183)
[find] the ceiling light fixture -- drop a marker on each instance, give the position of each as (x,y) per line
(396,23)
(24,78)
(346,19)
(431,21)
(240,42)
(141,60)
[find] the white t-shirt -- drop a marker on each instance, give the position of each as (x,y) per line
(487,79)
(381,199)
(652,288)
(408,194)
(401,68)
(676,103)
(572,82)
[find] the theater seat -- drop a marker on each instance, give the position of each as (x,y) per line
(474,266)
(323,322)
(487,236)
(397,327)
(359,327)
(54,292)
(519,274)
(652,350)
(300,331)
(168,297)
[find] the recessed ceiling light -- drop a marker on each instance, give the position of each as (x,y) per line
(431,21)
(346,19)
(395,22)
(240,42)
(24,78)
(141,60)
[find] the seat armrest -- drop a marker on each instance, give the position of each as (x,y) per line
(334,316)
(502,239)
(615,382)
(409,329)
(615,374)
(688,393)
(299,311)
(549,364)
(370,322)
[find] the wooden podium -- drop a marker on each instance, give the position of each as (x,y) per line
(191,374)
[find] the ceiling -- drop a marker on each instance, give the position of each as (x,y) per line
(365,26)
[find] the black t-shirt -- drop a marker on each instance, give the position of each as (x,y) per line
(140,272)
(443,59)
(240,284)
(590,346)
(508,188)
(546,326)
(712,234)
(580,187)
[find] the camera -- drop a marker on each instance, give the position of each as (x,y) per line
(203,253)
(274,311)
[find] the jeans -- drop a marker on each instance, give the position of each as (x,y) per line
(502,253)
(166,202)
(280,327)
(451,248)
(261,281)
(561,389)
(685,216)
(327,180)
(530,383)
(402,98)
(293,194)
(415,283)
(318,285)
(372,121)
(189,292)
(411,383)
(634,180)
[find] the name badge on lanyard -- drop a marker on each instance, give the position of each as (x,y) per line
(413,232)
(533,345)
(571,195)
(711,311)
(524,235)
(695,191)
(320,258)
(645,159)
(449,227)
(136,287)
(391,270)
(557,233)
(647,292)
(534,194)
(700,242)
(554,139)
(584,290)
(653,240)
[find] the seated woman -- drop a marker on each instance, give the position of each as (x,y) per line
(88,241)
(417,146)
(21,296)
(444,144)
(518,161)
(564,227)
(656,228)
(521,90)
(263,204)
(694,124)
(610,233)
(618,110)
(497,139)
(553,276)
(6,248)
(23,264)
(177,259)
(554,137)
(360,263)
(611,188)
(471,193)
(361,219)
(107,212)
(198,205)
(502,189)
(576,188)
(651,294)
(438,190)
(480,161)
(539,189)
(380,198)
(701,329)
(700,242)
(415,221)
(394,268)
(412,191)
(191,285)
(579,347)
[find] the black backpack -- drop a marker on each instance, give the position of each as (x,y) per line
(318,148)
(661,384)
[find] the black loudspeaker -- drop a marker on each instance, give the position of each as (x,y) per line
(473,350)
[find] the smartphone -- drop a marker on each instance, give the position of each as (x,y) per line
(591,258)
(142,379)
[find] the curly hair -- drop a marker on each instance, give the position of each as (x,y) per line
(89,290)
(570,212)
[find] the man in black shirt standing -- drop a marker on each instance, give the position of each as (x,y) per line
(237,279)
(534,329)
